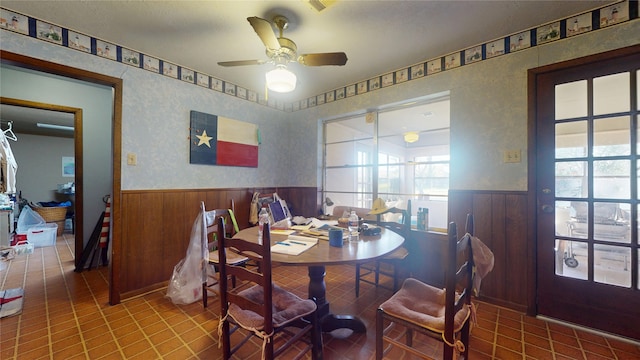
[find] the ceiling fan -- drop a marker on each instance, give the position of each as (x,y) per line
(281,51)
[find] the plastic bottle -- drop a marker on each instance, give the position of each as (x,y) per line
(420,221)
(263,218)
(353,226)
(426,219)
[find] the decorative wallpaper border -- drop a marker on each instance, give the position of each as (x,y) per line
(603,17)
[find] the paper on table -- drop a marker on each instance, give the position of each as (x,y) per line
(282,231)
(306,239)
(320,223)
(324,234)
(301,227)
(291,247)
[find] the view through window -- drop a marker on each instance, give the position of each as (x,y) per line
(397,153)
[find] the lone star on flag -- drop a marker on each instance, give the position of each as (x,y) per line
(204,139)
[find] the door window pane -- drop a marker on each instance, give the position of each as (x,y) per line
(611,179)
(571,139)
(563,218)
(611,222)
(611,94)
(571,259)
(612,264)
(612,136)
(571,179)
(571,100)
(578,224)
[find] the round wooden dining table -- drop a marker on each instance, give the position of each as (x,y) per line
(320,255)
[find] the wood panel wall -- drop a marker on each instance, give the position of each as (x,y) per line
(501,221)
(156,228)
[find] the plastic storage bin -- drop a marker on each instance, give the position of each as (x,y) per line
(42,235)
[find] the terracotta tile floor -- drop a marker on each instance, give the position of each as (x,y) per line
(66,316)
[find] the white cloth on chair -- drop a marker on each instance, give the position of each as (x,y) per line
(483,260)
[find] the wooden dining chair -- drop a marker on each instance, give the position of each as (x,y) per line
(392,265)
(208,236)
(286,324)
(444,314)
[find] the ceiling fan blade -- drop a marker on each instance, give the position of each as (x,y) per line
(241,62)
(336,58)
(264,30)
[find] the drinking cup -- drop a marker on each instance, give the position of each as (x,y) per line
(335,237)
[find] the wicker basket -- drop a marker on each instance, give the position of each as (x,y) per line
(53,214)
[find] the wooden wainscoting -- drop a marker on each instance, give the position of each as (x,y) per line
(427,256)
(156,228)
(501,222)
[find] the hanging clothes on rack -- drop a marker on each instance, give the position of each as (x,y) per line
(9,132)
(8,164)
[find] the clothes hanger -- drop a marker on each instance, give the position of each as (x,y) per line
(9,132)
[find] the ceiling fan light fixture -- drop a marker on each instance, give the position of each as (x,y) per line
(281,80)
(411,136)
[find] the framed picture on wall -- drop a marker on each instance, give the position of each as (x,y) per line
(68,166)
(49,32)
(106,50)
(14,22)
(579,24)
(169,69)
(131,57)
(495,48)
(549,32)
(152,64)
(434,66)
(614,14)
(402,75)
(79,41)
(417,71)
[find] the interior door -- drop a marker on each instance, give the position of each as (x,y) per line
(588,162)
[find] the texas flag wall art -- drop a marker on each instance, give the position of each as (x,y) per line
(217,140)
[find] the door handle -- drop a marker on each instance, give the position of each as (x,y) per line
(547,209)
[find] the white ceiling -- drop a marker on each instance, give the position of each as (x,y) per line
(377,36)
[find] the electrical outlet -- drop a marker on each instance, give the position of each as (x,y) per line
(132,159)
(511,156)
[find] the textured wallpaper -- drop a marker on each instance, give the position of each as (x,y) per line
(488,115)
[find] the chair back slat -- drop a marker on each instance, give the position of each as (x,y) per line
(458,279)
(244,275)
(469,225)
(209,220)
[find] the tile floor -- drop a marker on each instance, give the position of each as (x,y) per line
(66,316)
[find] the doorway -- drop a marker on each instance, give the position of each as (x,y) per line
(76,113)
(587,188)
(78,79)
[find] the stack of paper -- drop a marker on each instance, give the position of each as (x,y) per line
(294,245)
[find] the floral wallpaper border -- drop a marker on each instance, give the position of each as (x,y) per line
(605,16)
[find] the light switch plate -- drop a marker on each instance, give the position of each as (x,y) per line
(132,159)
(512,156)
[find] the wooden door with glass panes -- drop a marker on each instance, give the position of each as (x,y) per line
(587,179)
